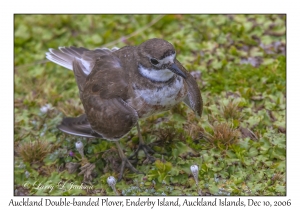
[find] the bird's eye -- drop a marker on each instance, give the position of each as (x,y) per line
(154,61)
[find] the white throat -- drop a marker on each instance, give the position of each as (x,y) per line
(156,75)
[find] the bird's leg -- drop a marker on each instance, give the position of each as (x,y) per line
(125,162)
(143,146)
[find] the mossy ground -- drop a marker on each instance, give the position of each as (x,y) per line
(239,143)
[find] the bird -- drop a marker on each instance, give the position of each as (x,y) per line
(119,86)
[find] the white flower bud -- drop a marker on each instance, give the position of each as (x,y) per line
(44,109)
(79,146)
(27,174)
(194,169)
(111,181)
(195,172)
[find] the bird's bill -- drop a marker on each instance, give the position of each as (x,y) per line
(174,68)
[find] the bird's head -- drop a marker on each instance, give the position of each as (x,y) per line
(157,60)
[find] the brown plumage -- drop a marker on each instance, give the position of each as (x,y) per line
(117,87)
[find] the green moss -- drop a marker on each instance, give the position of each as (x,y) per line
(240,64)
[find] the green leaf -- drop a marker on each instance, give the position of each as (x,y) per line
(252,152)
(213,189)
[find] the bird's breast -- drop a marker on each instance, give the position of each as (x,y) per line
(149,101)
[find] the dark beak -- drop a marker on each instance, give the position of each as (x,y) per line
(174,68)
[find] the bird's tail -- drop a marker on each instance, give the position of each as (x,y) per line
(78,126)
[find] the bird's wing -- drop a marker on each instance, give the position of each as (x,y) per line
(80,76)
(108,78)
(104,99)
(78,126)
(64,56)
(110,118)
(193,98)
(80,60)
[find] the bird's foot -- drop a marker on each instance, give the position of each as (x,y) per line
(127,163)
(146,149)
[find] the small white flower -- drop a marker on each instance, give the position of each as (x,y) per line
(111,181)
(195,172)
(44,109)
(194,169)
(27,174)
(79,146)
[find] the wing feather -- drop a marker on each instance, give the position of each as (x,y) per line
(110,118)
(64,56)
(103,97)
(193,98)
